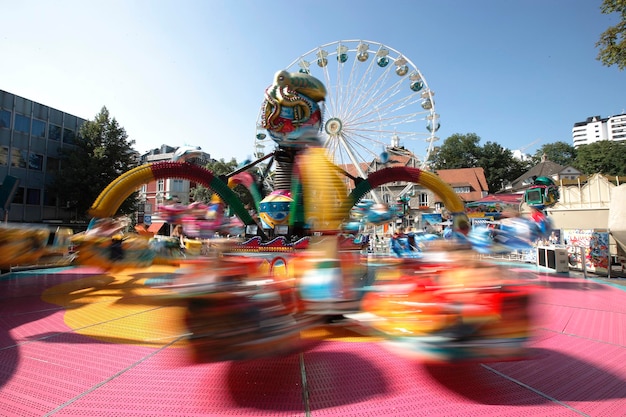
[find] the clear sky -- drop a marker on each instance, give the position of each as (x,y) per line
(194,72)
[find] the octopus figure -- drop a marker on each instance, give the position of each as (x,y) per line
(291,105)
(292,116)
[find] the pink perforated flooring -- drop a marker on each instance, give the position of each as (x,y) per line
(577,367)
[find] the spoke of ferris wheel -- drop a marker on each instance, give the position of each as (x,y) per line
(336,101)
(390,119)
(355,162)
(364,151)
(406,189)
(358,97)
(332,99)
(352,139)
(381,88)
(343,82)
(363,155)
(389,129)
(381,95)
(383,137)
(373,96)
(366,143)
(348,101)
(375,108)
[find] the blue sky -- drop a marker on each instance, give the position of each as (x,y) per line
(188,72)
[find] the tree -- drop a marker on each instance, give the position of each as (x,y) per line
(457,151)
(499,165)
(463,151)
(612,41)
(101,153)
(603,157)
(221,169)
(559,152)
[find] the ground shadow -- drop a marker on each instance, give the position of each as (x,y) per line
(9,357)
(486,383)
(582,285)
(284,383)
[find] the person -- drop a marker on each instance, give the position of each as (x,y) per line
(553,239)
(178,233)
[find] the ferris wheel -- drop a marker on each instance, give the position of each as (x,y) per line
(378,104)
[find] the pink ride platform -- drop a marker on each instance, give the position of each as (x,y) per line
(577,367)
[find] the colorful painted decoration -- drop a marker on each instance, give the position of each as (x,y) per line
(291,113)
(275,209)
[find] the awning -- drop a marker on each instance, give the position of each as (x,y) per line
(500,199)
(155,227)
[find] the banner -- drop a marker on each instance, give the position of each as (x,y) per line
(588,246)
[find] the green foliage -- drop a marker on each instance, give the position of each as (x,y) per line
(102,152)
(499,165)
(603,157)
(559,152)
(221,169)
(612,43)
(464,151)
(458,151)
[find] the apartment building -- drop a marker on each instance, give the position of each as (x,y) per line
(159,191)
(596,128)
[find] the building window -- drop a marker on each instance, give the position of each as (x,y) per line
(39,128)
(69,136)
(423,199)
(160,185)
(18,159)
(177,185)
(22,124)
(18,198)
(4,155)
(35,162)
(460,190)
(5,119)
(54,132)
(33,196)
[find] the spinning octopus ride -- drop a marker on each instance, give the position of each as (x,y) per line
(447,306)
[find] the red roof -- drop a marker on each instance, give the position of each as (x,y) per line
(474,178)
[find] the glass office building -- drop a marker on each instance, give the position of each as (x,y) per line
(31,136)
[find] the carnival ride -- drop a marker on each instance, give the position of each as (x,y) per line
(444,306)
